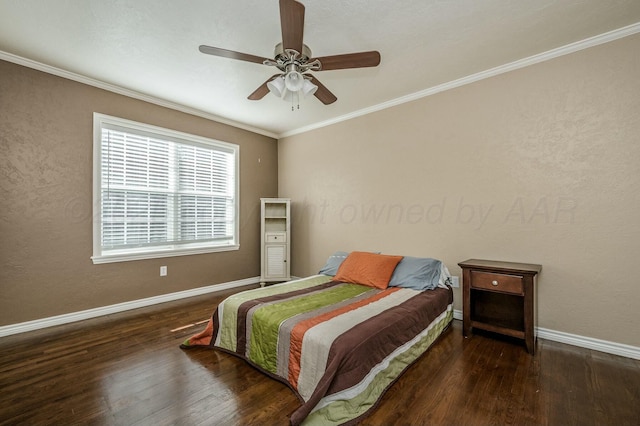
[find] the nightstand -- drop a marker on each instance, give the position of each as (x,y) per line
(500,297)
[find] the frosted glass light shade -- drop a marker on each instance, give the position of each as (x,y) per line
(276,86)
(294,81)
(308,88)
(290,96)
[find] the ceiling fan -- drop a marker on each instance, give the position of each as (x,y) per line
(293,58)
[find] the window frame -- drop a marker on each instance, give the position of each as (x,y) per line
(169,249)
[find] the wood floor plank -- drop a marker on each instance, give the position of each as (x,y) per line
(127,369)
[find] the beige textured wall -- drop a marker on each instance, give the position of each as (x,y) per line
(46,195)
(539,165)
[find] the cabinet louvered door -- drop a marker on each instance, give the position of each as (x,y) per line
(275,261)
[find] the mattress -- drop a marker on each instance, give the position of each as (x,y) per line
(337,345)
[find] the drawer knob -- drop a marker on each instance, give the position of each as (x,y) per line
(494,282)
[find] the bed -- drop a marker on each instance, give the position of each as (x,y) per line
(338,339)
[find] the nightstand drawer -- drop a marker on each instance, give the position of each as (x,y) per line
(497,282)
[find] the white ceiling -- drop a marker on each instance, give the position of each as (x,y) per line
(151,46)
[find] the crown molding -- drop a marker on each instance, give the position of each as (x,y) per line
(520,63)
(19,60)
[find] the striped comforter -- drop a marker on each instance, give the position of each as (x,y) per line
(339,346)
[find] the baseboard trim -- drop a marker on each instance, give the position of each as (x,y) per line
(613,348)
(38,324)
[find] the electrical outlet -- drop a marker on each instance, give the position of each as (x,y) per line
(163,271)
(455,281)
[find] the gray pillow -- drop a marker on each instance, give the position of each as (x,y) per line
(417,273)
(333,263)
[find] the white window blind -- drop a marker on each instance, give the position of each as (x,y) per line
(161,192)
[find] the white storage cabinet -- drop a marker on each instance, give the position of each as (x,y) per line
(275,244)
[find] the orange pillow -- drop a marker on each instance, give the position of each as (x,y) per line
(370,269)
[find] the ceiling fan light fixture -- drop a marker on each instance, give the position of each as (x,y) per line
(294,81)
(277,86)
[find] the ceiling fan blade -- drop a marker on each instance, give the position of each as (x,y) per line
(292,24)
(349,60)
(216,51)
(261,91)
(323,94)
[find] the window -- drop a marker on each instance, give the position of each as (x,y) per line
(159,192)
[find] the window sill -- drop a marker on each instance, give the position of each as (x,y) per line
(125,257)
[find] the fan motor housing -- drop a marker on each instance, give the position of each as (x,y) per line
(280,54)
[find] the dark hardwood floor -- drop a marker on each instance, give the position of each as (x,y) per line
(127,369)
